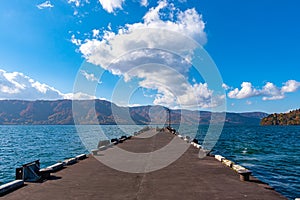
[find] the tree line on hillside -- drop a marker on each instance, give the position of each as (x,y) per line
(290,118)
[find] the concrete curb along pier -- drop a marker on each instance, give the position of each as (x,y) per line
(188,178)
(242,171)
(42,174)
(11,186)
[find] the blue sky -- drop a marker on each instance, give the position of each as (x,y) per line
(255,45)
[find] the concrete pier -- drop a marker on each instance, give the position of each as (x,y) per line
(187,178)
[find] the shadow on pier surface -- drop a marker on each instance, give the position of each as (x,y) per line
(187,178)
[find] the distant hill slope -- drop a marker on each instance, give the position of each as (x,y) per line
(60,112)
(290,118)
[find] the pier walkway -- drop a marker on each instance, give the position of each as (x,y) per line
(187,178)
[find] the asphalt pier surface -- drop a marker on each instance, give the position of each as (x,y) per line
(187,178)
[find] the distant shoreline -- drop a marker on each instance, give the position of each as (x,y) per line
(59,112)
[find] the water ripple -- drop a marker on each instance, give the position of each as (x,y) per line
(272,153)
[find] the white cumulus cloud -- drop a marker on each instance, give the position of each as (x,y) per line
(102,51)
(46,4)
(290,86)
(96,32)
(145,50)
(154,13)
(268,92)
(111,5)
(16,85)
(246,91)
(271,92)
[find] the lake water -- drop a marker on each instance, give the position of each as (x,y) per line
(271,153)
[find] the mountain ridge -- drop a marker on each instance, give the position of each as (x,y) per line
(60,112)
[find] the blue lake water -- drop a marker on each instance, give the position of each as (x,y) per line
(272,153)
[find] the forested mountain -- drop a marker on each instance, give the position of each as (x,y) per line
(290,118)
(104,112)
